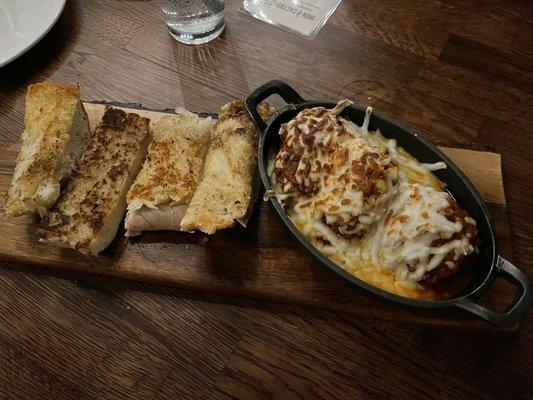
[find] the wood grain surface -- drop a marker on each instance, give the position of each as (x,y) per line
(461,72)
(261,262)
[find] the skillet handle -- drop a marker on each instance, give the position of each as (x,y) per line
(517,308)
(275,86)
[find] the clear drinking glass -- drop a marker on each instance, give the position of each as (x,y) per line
(193,21)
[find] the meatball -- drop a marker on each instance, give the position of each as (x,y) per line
(454,260)
(303,140)
(345,175)
(360,184)
(425,237)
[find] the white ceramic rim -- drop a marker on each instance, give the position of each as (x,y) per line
(26,44)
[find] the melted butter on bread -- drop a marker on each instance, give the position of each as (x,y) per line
(170,174)
(225,193)
(56,133)
(90,208)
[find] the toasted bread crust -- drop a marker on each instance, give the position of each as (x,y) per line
(68,90)
(224,195)
(170,173)
(56,133)
(88,213)
(173,166)
(166,217)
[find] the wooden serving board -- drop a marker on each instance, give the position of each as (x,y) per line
(261,261)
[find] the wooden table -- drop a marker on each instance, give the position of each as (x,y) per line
(461,72)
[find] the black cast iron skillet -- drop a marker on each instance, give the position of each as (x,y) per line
(488,264)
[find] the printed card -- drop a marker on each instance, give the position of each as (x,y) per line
(305,17)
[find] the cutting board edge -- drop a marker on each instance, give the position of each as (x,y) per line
(254,294)
(466,324)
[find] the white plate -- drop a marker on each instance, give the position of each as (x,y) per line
(23,23)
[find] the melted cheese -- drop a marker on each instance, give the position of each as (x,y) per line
(391,245)
(406,236)
(349,175)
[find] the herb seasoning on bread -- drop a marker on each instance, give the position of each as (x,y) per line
(225,194)
(170,174)
(88,213)
(56,133)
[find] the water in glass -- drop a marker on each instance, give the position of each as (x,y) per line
(193,21)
